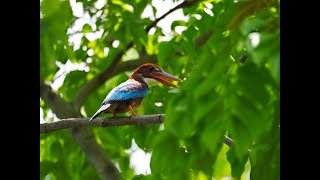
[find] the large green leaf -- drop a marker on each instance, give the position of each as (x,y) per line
(166,150)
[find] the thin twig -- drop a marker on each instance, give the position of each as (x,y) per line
(182,5)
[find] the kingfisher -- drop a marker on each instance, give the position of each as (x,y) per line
(128,95)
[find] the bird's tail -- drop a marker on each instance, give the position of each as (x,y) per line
(101,110)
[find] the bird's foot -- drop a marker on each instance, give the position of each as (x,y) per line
(133,114)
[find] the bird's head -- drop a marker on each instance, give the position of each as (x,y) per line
(154,72)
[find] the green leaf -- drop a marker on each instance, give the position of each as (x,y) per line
(72,83)
(212,134)
(80,55)
(252,24)
(222,167)
(48,7)
(139,35)
(265,155)
(56,149)
(166,148)
(53,38)
(88,172)
(189,38)
(165,51)
(269,44)
(124,162)
(123,5)
(241,135)
(177,23)
(144,137)
(274,66)
(46,167)
(86,29)
(143,177)
(237,163)
(183,128)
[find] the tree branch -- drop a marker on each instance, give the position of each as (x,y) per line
(228,141)
(182,5)
(201,40)
(97,81)
(95,153)
(83,136)
(101,122)
(107,122)
(248,8)
(61,108)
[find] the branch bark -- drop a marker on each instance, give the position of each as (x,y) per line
(83,136)
(182,5)
(201,40)
(228,141)
(101,122)
(107,122)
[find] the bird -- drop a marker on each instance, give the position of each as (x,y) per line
(128,95)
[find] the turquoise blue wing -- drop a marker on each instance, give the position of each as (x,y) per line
(130,89)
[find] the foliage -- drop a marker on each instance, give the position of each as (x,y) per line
(231,87)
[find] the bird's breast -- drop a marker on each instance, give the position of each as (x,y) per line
(123,106)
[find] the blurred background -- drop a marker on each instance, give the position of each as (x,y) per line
(226,51)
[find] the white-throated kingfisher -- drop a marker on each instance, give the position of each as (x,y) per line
(128,95)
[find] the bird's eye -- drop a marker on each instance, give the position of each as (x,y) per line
(150,68)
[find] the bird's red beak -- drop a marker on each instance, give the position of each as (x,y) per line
(162,76)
